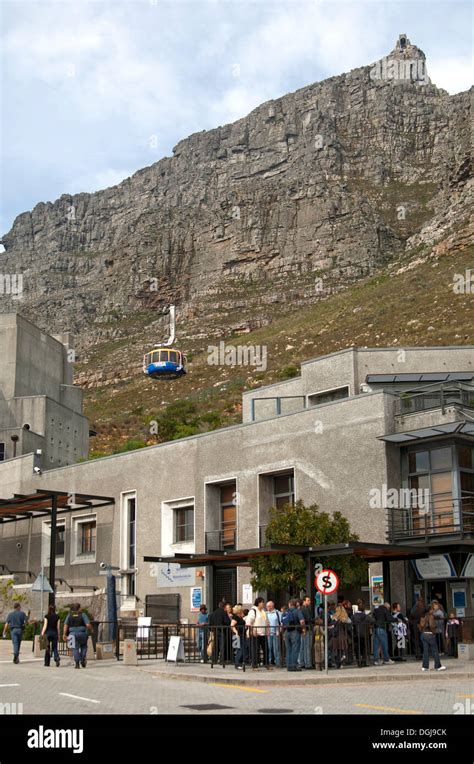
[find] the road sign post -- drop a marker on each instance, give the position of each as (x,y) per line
(327,582)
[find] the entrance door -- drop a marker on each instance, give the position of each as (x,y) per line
(437,591)
(225,586)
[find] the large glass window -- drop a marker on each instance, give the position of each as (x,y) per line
(431,478)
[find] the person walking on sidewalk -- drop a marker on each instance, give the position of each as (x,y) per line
(428,630)
(77,624)
(16,621)
(51,630)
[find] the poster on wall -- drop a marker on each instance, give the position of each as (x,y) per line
(376,590)
(196,598)
(247,594)
(435,566)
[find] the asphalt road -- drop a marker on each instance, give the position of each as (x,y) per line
(111,688)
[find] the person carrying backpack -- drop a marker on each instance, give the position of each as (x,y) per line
(77,624)
(293,622)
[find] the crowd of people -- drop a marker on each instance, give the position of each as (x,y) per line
(294,634)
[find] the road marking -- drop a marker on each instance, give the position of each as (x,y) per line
(388,708)
(239,687)
(10,685)
(78,697)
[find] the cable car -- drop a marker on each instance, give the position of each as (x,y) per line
(164,363)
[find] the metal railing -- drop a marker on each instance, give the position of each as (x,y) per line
(350,645)
(438,395)
(221,540)
(436,518)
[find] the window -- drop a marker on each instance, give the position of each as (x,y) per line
(431,476)
(173,356)
(465,457)
(84,539)
(128,551)
(164,355)
(228,515)
(328,395)
(2,452)
(184,524)
(283,490)
(87,537)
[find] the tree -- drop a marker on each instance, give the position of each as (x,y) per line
(305,526)
(8,595)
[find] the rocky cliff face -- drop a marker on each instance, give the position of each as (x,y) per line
(328,183)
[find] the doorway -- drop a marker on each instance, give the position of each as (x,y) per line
(225,586)
(436,590)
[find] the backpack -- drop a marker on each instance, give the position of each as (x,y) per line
(286,618)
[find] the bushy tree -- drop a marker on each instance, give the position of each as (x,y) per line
(305,526)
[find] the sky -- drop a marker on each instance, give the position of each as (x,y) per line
(92,90)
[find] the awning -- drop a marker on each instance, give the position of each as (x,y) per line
(243,557)
(451,428)
(457,376)
(21,507)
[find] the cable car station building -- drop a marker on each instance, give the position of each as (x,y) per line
(358,431)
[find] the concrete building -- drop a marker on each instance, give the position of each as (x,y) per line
(40,408)
(385,436)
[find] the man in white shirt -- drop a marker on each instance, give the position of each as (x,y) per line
(273,638)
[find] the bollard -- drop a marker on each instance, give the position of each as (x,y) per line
(130,652)
(90,650)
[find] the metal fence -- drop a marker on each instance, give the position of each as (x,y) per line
(351,644)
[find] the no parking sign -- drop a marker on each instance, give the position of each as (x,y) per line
(327,582)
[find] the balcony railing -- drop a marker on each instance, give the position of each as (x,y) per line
(436,396)
(453,517)
(223,540)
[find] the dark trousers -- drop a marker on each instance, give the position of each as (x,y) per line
(430,647)
(52,647)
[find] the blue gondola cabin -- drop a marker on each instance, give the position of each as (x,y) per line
(164,363)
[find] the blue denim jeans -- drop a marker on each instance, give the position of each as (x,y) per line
(380,638)
(293,643)
(305,657)
(80,647)
(17,635)
(430,647)
(273,642)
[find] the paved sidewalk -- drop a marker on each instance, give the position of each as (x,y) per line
(398,672)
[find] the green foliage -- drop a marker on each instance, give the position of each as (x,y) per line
(130,445)
(287,372)
(8,595)
(305,526)
(181,419)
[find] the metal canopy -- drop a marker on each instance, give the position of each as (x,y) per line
(52,504)
(21,507)
(451,428)
(457,376)
(243,557)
